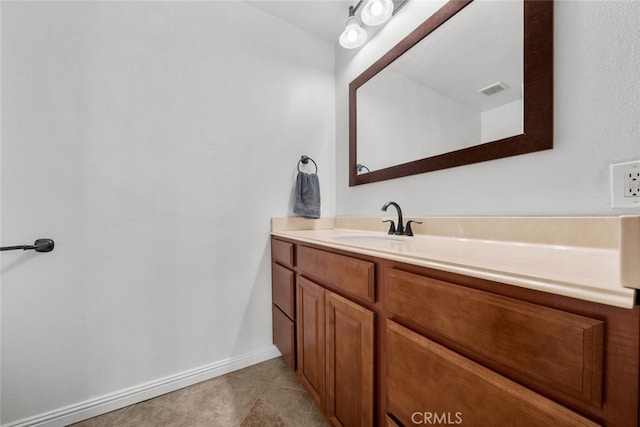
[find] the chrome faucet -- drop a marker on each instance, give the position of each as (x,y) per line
(400,228)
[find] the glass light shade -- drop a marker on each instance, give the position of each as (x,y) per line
(376,12)
(353,35)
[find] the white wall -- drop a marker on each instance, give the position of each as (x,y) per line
(152,142)
(597,58)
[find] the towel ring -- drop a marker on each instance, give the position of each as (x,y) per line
(360,167)
(305,160)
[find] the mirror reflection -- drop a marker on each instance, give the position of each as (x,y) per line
(459,87)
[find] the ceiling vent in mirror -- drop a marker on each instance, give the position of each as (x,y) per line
(494,88)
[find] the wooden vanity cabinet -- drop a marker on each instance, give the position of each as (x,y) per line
(380,342)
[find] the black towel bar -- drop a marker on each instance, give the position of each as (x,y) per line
(40,245)
(305,160)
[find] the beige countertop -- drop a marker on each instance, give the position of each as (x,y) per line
(588,268)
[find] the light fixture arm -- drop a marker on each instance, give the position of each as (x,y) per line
(354,9)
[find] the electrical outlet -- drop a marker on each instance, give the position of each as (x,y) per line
(625,185)
(632,183)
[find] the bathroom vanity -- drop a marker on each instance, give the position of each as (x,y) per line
(451,327)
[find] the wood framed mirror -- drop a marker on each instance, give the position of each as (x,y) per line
(470,137)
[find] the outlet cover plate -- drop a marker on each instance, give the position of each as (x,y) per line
(624,185)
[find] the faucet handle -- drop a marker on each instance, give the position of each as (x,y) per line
(407,230)
(392,227)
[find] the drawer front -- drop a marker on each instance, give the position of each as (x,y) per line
(427,382)
(284,336)
(547,347)
(351,275)
(283,289)
(282,252)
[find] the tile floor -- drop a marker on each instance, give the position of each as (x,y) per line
(266,394)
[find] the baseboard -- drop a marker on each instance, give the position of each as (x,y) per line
(120,399)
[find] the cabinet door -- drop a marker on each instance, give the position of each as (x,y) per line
(426,382)
(310,326)
(349,358)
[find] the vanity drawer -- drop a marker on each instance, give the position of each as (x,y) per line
(283,289)
(284,336)
(282,252)
(426,380)
(351,275)
(540,346)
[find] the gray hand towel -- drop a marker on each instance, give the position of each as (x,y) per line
(307,202)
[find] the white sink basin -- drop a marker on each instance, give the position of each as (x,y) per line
(360,238)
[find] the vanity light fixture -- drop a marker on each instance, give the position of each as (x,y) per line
(376,12)
(353,35)
(371,13)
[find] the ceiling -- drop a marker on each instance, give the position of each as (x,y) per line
(323,18)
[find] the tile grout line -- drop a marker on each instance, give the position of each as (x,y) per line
(255,401)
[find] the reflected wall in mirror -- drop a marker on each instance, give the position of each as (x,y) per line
(473,83)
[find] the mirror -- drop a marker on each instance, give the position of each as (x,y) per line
(473,83)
